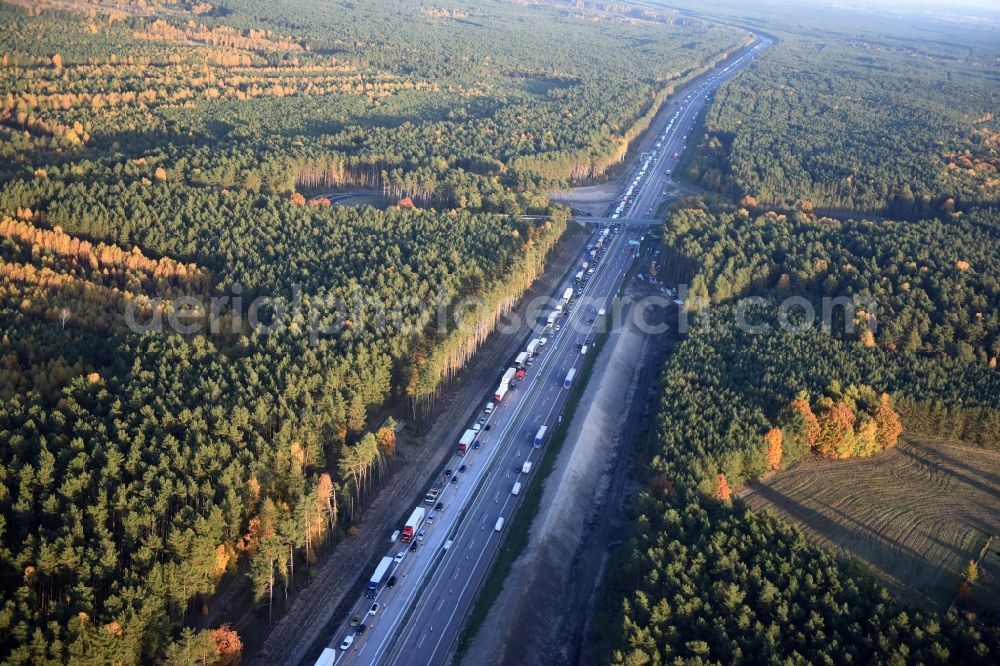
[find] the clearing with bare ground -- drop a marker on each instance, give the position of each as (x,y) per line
(916,514)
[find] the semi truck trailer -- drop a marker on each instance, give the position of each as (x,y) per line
(379,578)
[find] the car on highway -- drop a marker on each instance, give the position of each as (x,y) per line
(454,479)
(447,472)
(463,468)
(391,582)
(487,426)
(346,643)
(477,426)
(360,629)
(420,535)
(374,609)
(356,620)
(413,546)
(399,556)
(439,507)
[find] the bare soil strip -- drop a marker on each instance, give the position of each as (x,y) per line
(526,623)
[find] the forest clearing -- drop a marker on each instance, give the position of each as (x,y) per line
(916,514)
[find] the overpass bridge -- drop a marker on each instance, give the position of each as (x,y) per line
(584,219)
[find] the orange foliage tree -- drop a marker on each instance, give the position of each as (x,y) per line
(228,645)
(801,405)
(773,440)
(888,425)
(722,489)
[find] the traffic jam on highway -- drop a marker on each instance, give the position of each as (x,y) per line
(453,488)
(661,149)
(470,501)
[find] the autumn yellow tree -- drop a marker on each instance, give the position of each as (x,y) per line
(971,572)
(836,429)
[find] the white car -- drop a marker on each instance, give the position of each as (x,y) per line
(346,643)
(399,556)
(374,609)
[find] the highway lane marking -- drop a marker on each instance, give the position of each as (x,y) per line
(482,552)
(521,405)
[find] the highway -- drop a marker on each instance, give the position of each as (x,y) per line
(419,618)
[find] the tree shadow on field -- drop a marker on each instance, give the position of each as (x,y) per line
(857,539)
(961,471)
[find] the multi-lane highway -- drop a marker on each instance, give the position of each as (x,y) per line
(418,618)
(656,167)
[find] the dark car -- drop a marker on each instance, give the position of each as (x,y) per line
(440,505)
(360,629)
(413,546)
(454,479)
(462,468)
(447,472)
(486,427)
(391,582)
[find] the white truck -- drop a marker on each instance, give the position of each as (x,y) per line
(328,657)
(465,443)
(533,347)
(516,490)
(521,359)
(567,294)
(413,524)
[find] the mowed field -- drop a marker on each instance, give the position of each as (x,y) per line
(916,514)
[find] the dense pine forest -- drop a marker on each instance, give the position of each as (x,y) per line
(157,156)
(835,118)
(855,124)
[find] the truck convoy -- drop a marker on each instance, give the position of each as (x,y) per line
(413,524)
(379,578)
(540,436)
(465,443)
